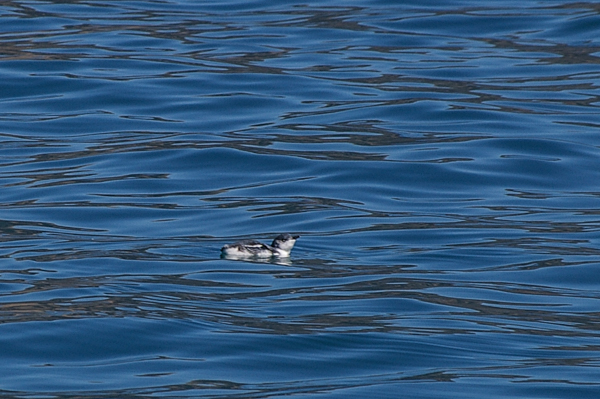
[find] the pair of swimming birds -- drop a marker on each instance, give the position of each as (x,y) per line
(281,247)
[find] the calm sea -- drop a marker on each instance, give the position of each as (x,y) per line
(440,160)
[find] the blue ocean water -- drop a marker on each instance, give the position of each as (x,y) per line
(440,160)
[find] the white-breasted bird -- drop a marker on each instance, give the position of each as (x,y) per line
(281,247)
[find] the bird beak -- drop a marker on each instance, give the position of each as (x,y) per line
(295,237)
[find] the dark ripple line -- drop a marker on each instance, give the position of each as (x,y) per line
(118,298)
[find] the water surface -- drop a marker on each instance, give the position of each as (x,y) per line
(439,160)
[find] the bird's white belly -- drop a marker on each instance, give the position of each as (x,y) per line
(247,252)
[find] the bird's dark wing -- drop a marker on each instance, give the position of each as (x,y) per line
(252,246)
